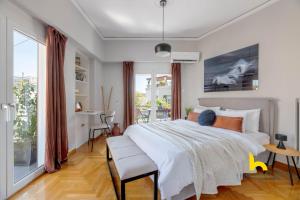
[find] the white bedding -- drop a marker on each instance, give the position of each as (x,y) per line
(259,137)
(175,165)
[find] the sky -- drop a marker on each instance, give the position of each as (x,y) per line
(141,82)
(25,55)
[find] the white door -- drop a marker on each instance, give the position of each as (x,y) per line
(3,108)
(25,101)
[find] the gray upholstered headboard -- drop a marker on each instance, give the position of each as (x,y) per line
(267,106)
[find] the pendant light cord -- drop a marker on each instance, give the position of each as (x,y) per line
(163,36)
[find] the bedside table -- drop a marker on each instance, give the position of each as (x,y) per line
(288,152)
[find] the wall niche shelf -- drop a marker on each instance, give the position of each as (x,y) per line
(82,84)
(80,68)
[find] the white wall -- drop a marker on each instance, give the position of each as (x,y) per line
(69,69)
(113,77)
(96,81)
(95,103)
(141,50)
(21,19)
(81,37)
(277,31)
(63,15)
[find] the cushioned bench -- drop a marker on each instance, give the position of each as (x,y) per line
(130,161)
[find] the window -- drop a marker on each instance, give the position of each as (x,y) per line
(152,97)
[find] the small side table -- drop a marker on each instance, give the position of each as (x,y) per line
(288,152)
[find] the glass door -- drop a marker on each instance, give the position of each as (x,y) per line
(3,108)
(163,96)
(143,98)
(25,101)
(152,97)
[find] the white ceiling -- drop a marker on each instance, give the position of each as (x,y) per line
(184,19)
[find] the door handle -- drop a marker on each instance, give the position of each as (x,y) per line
(5,108)
(12,105)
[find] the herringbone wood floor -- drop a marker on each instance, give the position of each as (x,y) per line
(86,176)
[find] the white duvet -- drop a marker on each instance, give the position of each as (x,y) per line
(187,153)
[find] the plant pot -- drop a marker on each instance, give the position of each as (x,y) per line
(116,130)
(22,153)
(33,158)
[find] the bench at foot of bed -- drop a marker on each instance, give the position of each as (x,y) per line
(131,163)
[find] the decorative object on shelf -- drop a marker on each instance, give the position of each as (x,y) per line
(77,60)
(163,49)
(78,106)
(281,139)
(116,131)
(187,111)
(80,76)
(77,91)
(234,71)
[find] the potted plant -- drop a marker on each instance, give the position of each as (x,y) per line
(25,123)
(187,111)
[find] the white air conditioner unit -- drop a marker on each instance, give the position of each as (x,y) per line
(185,57)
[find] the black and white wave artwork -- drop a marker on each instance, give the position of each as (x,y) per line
(234,71)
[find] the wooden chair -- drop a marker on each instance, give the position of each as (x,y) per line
(106,121)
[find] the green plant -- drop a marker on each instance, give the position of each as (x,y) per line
(141,100)
(25,123)
(162,102)
(188,110)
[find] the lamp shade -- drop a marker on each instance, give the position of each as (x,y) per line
(163,50)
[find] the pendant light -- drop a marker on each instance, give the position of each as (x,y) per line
(163,49)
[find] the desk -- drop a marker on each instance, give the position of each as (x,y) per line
(90,112)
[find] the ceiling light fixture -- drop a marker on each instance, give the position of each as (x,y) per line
(163,49)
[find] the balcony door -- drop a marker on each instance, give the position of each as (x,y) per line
(22,99)
(152,97)
(2,108)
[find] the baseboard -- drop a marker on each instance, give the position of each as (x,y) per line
(71,152)
(284,167)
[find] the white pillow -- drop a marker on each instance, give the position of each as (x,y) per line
(200,109)
(234,113)
(252,119)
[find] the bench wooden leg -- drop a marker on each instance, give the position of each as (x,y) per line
(123,190)
(107,153)
(93,140)
(155,185)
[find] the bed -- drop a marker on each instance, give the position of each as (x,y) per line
(194,159)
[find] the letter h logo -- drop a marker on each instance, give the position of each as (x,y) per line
(253,164)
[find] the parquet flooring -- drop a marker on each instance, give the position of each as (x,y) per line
(86,177)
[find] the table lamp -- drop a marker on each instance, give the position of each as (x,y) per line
(281,139)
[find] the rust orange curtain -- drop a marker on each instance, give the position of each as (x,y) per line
(176,91)
(128,93)
(56,149)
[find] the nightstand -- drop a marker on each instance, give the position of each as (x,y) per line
(288,152)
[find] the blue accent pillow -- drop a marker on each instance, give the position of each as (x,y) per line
(207,118)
